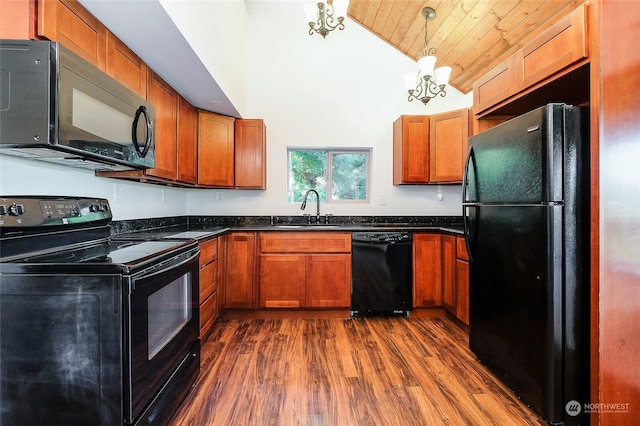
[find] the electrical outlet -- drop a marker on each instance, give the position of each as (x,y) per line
(117,193)
(383,199)
(219,197)
(163,196)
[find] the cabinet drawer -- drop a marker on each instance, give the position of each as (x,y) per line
(305,242)
(208,283)
(208,251)
(461,249)
(558,47)
(495,86)
(208,314)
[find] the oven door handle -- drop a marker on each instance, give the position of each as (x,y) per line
(170,267)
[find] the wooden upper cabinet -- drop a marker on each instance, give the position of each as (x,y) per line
(68,22)
(125,66)
(165,99)
(558,47)
(411,150)
(187,142)
(215,150)
(448,142)
(250,154)
(495,86)
(17,19)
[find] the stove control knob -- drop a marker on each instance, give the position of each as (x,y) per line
(3,209)
(104,207)
(16,209)
(94,207)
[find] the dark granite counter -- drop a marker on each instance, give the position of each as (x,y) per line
(204,227)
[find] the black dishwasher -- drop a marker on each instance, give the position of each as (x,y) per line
(381,274)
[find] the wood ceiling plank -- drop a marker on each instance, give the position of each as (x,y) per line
(446,8)
(388,16)
(405,25)
(471,36)
(467,33)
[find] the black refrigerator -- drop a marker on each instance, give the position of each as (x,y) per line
(526,220)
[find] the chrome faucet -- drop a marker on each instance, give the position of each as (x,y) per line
(304,203)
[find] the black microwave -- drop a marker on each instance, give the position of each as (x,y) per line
(57,107)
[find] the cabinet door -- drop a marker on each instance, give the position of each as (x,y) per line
(207,280)
(495,86)
(427,270)
(462,290)
(17,20)
(558,47)
(125,66)
(328,278)
(69,23)
(449,273)
(215,150)
(221,273)
(165,99)
(208,314)
(282,281)
(411,149)
(187,142)
(239,270)
(449,133)
(250,154)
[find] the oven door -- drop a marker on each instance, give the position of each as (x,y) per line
(161,326)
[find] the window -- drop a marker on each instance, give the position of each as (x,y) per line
(344,171)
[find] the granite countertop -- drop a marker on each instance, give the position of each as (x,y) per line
(205,227)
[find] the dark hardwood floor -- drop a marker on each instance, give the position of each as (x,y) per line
(364,371)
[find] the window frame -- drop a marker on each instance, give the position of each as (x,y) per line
(366,151)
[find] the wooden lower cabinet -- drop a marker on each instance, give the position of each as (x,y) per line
(240,270)
(462,281)
(448,246)
(282,281)
(328,280)
(208,285)
(441,273)
(427,270)
(462,294)
(305,270)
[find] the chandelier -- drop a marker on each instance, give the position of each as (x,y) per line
(327,16)
(427,83)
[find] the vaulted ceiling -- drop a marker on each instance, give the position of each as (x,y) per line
(471,36)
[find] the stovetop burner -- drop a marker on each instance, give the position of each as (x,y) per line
(63,232)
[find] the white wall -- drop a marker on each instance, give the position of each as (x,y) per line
(345,90)
(342,91)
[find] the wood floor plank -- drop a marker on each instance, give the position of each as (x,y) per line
(365,371)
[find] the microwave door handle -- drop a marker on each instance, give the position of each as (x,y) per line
(134,134)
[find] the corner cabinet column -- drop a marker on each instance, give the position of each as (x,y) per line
(216,150)
(250,154)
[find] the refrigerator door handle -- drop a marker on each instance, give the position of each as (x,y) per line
(465,175)
(465,205)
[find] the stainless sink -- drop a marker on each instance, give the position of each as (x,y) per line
(307,227)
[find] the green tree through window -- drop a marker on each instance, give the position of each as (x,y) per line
(337,175)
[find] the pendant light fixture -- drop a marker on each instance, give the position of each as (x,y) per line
(324,17)
(428,82)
